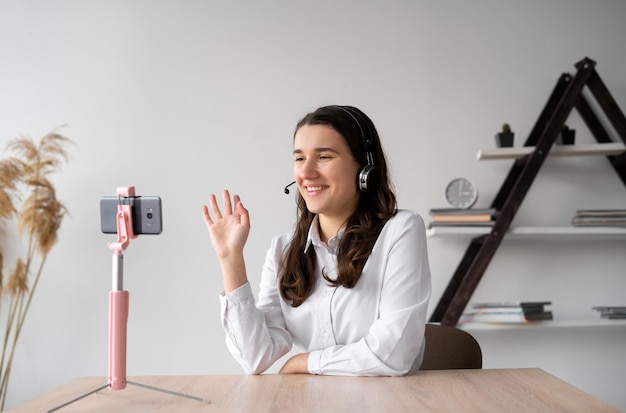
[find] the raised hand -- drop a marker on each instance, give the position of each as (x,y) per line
(229,228)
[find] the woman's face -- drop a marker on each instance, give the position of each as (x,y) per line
(325,171)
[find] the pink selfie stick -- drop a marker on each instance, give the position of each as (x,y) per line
(118,298)
(118,308)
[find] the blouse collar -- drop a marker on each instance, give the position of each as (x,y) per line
(314,238)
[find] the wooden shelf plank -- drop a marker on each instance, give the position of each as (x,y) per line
(532,232)
(588,322)
(558,150)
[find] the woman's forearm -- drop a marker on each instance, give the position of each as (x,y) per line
(233,272)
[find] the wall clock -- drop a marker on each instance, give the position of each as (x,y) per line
(461,193)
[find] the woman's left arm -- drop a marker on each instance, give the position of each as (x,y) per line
(298,364)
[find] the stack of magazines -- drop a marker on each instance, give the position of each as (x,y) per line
(600,218)
(509,312)
(463,217)
(612,313)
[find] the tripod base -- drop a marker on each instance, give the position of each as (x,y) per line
(132,383)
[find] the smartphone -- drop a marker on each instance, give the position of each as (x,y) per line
(146,214)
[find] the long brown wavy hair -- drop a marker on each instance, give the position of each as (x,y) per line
(375,207)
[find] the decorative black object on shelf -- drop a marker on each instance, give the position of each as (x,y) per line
(566,137)
(566,96)
(505,138)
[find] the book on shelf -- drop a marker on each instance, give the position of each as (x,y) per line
(601,212)
(507,312)
(600,218)
(525,305)
(599,222)
(462,216)
(505,318)
(611,312)
(463,211)
(462,224)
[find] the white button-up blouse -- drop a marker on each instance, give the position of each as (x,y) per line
(373,329)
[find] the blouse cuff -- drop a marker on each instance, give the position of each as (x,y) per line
(236,296)
(315,359)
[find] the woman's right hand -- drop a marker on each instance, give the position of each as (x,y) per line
(229,228)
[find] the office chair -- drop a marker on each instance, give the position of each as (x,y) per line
(450,348)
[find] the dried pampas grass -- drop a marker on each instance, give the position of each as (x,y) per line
(27,195)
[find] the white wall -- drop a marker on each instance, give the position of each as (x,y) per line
(184,98)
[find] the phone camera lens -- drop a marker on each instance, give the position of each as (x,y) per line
(149,215)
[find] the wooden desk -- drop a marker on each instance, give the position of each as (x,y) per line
(510,390)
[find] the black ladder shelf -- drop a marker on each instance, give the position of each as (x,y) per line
(566,95)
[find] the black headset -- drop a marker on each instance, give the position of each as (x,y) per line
(364,180)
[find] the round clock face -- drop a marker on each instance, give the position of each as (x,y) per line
(461,193)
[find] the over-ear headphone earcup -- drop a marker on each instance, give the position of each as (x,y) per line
(365,180)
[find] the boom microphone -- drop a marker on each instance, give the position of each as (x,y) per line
(287,187)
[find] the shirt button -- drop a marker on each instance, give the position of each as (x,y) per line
(325,334)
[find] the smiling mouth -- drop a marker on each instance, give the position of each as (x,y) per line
(315,188)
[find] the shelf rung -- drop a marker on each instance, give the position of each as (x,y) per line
(558,150)
(530,232)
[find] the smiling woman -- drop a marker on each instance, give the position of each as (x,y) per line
(350,284)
